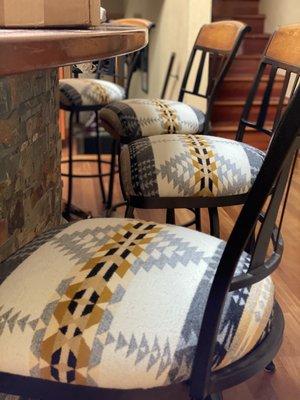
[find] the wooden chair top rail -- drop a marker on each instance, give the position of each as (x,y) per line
(220,35)
(284,45)
(140,22)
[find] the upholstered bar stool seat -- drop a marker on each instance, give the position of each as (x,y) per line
(188,166)
(89,92)
(136,118)
(118,303)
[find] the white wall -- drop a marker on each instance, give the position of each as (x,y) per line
(177,24)
(280,12)
(114,6)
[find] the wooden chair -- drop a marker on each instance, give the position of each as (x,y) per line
(102,308)
(196,171)
(90,95)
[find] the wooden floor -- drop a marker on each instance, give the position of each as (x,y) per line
(285,383)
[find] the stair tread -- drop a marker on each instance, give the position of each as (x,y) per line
(221,127)
(228,125)
(258,35)
(273,101)
(248,16)
(240,77)
(249,56)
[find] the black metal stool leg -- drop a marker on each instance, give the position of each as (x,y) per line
(70,164)
(198,219)
(170,218)
(129,213)
(271,368)
(112,175)
(214,222)
(215,396)
(99,159)
(251,244)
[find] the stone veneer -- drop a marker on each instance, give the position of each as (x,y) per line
(30,147)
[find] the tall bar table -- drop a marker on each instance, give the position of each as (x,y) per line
(30,144)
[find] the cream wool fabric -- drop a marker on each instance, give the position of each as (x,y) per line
(135,118)
(188,166)
(89,92)
(118,303)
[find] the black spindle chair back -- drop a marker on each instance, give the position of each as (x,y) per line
(120,69)
(215,49)
(281,58)
(267,193)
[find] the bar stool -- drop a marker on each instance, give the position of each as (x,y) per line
(126,309)
(91,95)
(188,170)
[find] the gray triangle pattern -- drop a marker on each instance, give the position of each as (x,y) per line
(110,339)
(36,342)
(6,315)
(133,346)
(2,326)
(22,322)
(35,371)
(63,286)
(33,324)
(179,171)
(96,356)
(183,253)
(155,355)
(143,350)
(118,295)
(165,360)
(75,245)
(48,312)
(121,342)
(12,320)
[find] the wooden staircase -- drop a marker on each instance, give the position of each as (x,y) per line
(232,95)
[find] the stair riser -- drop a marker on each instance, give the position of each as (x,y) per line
(254,45)
(240,89)
(256,24)
(258,140)
(242,66)
(232,8)
(231,114)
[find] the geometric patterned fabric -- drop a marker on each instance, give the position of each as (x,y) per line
(89,92)
(118,303)
(188,166)
(136,118)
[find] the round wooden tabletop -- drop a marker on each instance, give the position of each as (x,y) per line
(23,50)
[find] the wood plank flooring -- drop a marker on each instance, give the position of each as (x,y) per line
(285,383)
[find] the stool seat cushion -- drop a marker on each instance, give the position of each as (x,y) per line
(89,92)
(188,166)
(118,303)
(135,118)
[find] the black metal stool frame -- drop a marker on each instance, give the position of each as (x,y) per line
(132,61)
(213,203)
(221,62)
(75,110)
(269,185)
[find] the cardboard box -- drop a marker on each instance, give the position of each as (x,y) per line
(49,13)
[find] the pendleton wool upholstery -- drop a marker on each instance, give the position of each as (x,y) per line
(89,92)
(118,303)
(135,118)
(188,165)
